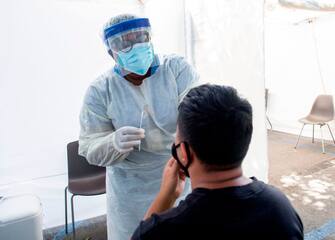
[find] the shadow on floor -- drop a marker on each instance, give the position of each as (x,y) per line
(306,176)
(90,229)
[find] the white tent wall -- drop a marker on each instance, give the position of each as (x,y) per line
(167,18)
(226,40)
(51,51)
(291,67)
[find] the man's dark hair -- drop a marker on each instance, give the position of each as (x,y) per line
(217,124)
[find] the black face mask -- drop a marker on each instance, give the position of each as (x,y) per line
(175,156)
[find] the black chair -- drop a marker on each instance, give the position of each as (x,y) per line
(83,179)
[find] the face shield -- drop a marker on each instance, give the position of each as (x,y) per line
(129,41)
(123,36)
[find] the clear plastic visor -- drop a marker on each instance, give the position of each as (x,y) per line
(126,40)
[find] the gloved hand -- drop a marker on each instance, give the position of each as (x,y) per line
(126,138)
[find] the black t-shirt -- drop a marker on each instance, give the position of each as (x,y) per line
(253,211)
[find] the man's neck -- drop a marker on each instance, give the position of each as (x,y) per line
(218,179)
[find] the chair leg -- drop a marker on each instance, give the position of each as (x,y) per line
(299,136)
(66,230)
(72,213)
(331,133)
(313,134)
(323,144)
(269,122)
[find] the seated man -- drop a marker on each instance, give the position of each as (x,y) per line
(213,135)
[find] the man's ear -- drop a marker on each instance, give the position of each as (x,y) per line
(184,157)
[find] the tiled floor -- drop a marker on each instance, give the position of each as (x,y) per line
(308,178)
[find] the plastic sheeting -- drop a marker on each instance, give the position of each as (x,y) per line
(225,43)
(318,5)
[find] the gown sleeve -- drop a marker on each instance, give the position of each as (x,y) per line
(96,128)
(185,74)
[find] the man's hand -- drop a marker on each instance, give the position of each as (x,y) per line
(173,181)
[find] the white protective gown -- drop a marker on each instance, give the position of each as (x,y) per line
(111,102)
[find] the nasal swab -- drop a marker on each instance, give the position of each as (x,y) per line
(142,114)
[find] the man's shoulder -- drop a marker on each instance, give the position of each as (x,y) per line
(155,226)
(269,195)
(273,194)
(159,225)
(281,212)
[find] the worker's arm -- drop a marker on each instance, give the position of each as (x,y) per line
(185,75)
(99,142)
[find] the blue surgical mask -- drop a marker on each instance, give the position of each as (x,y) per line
(138,60)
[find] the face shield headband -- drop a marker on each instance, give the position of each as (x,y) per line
(123,27)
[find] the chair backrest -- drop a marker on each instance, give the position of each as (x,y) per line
(77,165)
(323,106)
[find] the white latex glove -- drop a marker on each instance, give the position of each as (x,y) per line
(126,138)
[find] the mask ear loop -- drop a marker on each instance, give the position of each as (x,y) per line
(188,154)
